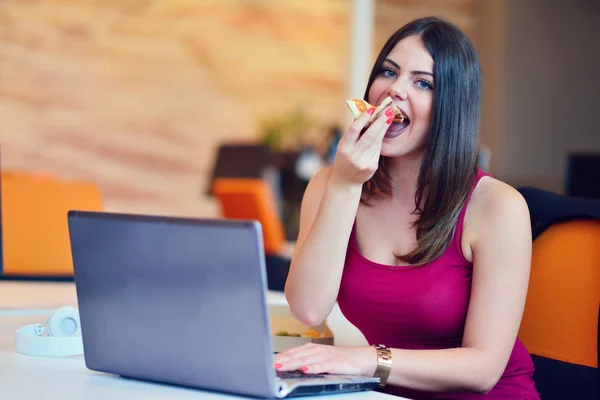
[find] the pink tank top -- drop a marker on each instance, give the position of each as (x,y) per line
(423,308)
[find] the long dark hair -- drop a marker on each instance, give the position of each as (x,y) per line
(449,164)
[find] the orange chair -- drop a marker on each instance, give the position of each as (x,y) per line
(242,198)
(35,239)
(560,322)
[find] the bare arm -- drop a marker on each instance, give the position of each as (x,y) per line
(328,211)
(327,216)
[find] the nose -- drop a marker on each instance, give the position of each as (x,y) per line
(398,90)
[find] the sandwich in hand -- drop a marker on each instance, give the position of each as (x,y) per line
(359,106)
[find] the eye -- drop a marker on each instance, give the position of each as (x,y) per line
(424,84)
(388,73)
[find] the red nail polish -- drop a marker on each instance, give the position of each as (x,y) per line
(391,119)
(277,366)
(389,112)
(371,110)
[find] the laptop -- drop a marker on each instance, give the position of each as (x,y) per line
(182,301)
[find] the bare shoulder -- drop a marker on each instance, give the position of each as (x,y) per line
(311,200)
(493,198)
(318,184)
(496,210)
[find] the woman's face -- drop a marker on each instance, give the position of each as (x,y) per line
(406,76)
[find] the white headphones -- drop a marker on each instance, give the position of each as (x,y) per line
(60,338)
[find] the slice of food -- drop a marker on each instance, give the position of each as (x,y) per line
(311,333)
(359,106)
(284,333)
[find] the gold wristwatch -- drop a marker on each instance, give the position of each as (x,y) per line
(384,364)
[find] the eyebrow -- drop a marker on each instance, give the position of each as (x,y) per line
(413,72)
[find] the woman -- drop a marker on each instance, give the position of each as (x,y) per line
(427,255)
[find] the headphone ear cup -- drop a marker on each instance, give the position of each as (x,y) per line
(63,322)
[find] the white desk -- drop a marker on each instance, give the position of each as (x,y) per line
(23,377)
(43,298)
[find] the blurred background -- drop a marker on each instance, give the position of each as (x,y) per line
(142,97)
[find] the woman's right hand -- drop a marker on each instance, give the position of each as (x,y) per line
(328,212)
(357,156)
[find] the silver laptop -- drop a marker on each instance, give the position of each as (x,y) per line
(184,302)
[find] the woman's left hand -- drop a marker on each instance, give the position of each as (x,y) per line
(318,359)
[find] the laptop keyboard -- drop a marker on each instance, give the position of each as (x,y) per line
(297,375)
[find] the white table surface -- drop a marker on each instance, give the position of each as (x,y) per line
(24,377)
